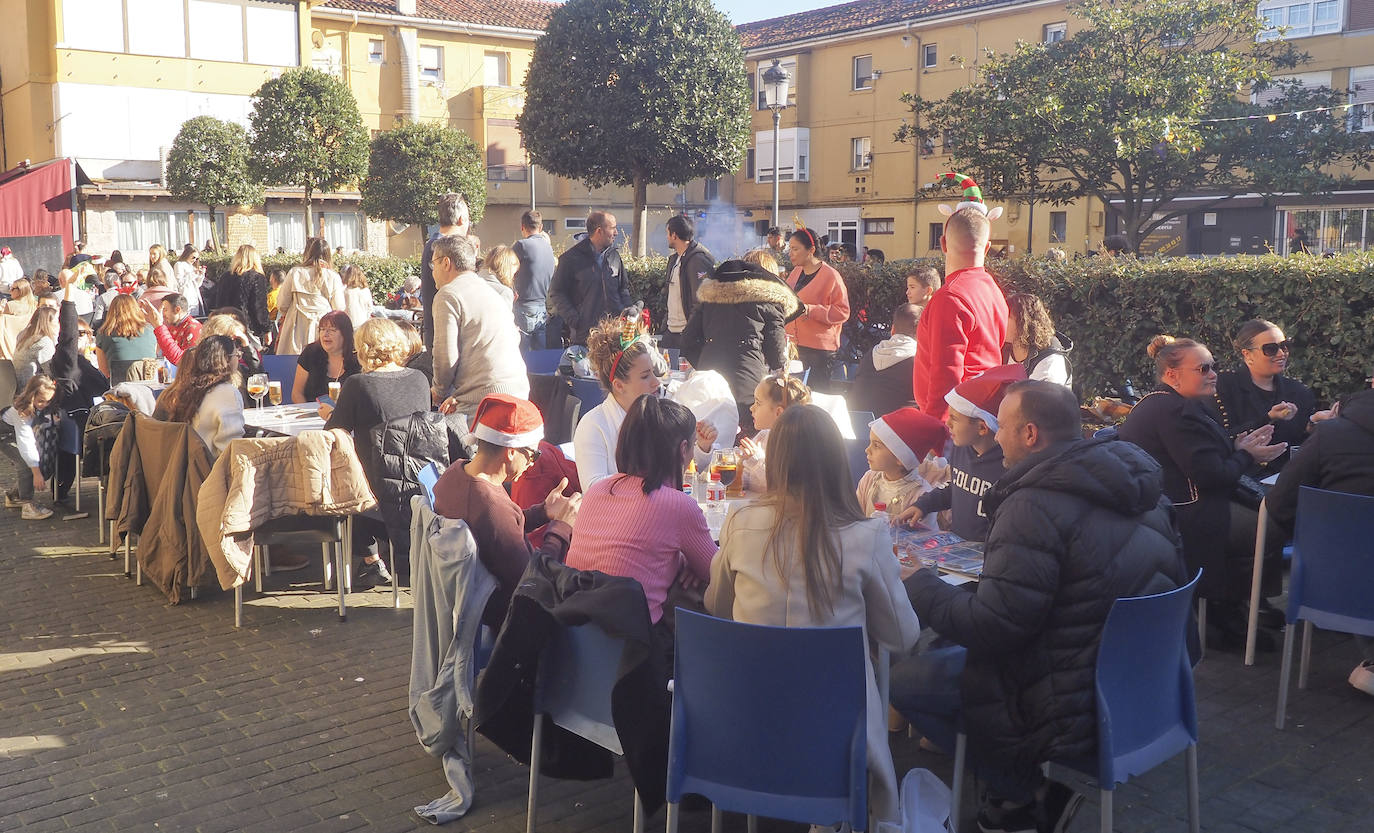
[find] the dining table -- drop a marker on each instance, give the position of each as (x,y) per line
(284,420)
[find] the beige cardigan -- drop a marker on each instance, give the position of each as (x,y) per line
(745,587)
(257,480)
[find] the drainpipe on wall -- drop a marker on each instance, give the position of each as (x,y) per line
(410,60)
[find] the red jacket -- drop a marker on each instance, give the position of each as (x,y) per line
(960,335)
(175,339)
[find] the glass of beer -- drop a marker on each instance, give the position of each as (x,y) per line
(257,387)
(726,462)
(274,392)
(334,388)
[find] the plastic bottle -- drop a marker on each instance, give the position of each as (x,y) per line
(715,492)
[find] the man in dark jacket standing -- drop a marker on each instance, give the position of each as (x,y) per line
(1076,524)
(688,265)
(589,283)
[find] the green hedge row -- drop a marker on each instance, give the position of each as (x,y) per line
(384,274)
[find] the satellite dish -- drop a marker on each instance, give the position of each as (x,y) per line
(397,227)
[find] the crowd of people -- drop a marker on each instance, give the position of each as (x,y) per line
(976,430)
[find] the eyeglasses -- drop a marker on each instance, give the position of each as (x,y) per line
(1205,368)
(1272,348)
(531,454)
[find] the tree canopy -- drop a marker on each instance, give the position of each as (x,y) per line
(410,167)
(631,92)
(1149,102)
(208,164)
(307,132)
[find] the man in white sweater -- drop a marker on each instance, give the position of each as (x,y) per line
(476,344)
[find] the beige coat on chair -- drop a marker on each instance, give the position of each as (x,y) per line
(258,480)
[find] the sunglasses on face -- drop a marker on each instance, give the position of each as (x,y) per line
(1272,348)
(1206,368)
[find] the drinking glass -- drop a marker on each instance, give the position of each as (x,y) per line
(726,461)
(274,392)
(257,387)
(334,388)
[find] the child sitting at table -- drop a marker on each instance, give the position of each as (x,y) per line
(975,462)
(775,394)
(639,523)
(904,462)
(26,414)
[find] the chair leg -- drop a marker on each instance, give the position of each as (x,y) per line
(238,606)
(1256,577)
(1106,811)
(128,554)
(76,484)
(1201,629)
(956,798)
(339,568)
(328,570)
(265,565)
(715,819)
(536,747)
(637,822)
(672,817)
(1285,671)
(1306,654)
(257,568)
(1194,813)
(752,823)
(100,510)
(395,582)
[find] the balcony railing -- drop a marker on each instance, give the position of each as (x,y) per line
(508,173)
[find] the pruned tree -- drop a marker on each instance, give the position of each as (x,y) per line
(410,167)
(307,132)
(208,164)
(1149,102)
(632,92)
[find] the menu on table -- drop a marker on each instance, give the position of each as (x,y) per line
(945,551)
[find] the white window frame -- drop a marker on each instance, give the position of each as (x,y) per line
(793,167)
(1054,32)
(377,55)
(431,72)
(574,223)
(1300,18)
(292,246)
(930,55)
(182,44)
(1361,113)
(177,230)
(503,72)
(862,80)
(861,153)
(880,225)
(843,231)
(789,64)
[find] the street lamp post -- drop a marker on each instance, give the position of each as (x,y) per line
(776,81)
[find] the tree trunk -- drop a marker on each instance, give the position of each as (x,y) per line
(309,212)
(641,215)
(214,229)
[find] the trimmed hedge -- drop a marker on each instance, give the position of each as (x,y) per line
(384,274)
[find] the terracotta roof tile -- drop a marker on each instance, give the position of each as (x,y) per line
(849,17)
(514,14)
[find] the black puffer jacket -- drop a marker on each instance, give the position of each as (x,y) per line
(1074,528)
(737,327)
(584,288)
(398,450)
(1339,456)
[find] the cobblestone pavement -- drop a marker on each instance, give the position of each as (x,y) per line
(120,712)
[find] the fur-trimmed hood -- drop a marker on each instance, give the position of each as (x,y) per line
(750,285)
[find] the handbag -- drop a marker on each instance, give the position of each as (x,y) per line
(1248,492)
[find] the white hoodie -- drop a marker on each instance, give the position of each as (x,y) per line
(895,349)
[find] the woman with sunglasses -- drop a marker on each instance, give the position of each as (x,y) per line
(1260,393)
(1201,466)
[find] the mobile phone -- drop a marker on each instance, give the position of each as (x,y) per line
(325,400)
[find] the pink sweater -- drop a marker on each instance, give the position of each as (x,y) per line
(624,532)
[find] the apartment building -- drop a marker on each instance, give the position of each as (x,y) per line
(841,173)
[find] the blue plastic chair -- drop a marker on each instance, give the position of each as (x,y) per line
(1332,581)
(543,362)
(756,730)
(1108,433)
(577,670)
(590,392)
(281,369)
(859,420)
(858,458)
(429,476)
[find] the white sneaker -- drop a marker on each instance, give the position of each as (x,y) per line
(34,512)
(1363,677)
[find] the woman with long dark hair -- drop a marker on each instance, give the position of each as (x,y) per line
(825,308)
(330,358)
(206,394)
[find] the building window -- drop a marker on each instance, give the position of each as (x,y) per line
(794,146)
(137,230)
(861,155)
(1330,229)
(749,163)
(216,30)
(344,230)
(1054,32)
(930,55)
(1315,17)
(712,192)
(237,31)
(574,223)
(879,225)
(432,64)
(497,66)
(843,231)
(286,231)
(789,64)
(936,230)
(1271,95)
(374,51)
(1059,226)
(863,72)
(1361,111)
(92,24)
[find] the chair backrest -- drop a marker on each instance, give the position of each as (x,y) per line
(860,420)
(429,476)
(577,670)
(1109,432)
(281,369)
(9,382)
(1332,583)
(858,458)
(542,362)
(552,395)
(590,392)
(757,730)
(1146,711)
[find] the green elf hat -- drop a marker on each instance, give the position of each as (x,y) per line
(973,196)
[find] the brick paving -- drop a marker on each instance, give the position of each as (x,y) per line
(119,712)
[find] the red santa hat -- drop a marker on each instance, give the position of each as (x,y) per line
(910,435)
(980,397)
(508,421)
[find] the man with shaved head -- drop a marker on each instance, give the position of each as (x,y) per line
(962,329)
(883,383)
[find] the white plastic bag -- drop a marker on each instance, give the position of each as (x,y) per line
(839,411)
(708,396)
(925,803)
